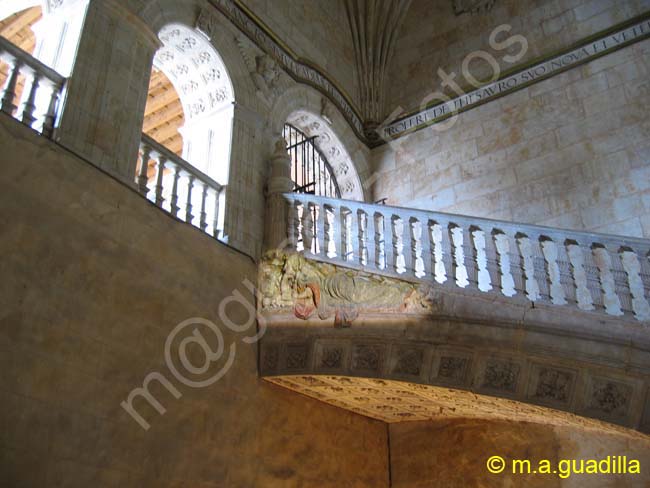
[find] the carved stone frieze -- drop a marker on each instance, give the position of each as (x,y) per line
(610,399)
(553,385)
(501,375)
(317,289)
(368,358)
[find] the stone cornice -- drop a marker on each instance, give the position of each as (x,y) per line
(304,71)
(522,76)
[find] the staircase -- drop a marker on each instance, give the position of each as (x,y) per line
(600,273)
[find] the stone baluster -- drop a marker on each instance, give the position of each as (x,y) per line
(203,220)
(610,299)
(387,243)
(174,208)
(426,248)
(632,267)
(470,256)
(479,244)
(408,246)
(593,276)
(306,226)
(549,248)
(621,285)
(215,222)
(363,238)
(443,254)
(321,224)
(503,244)
(143,178)
(160,170)
(416,251)
(50,114)
(371,240)
(492,259)
(397,243)
(531,287)
(355,237)
(341,218)
(329,232)
(459,271)
(8,93)
(576,255)
(188,204)
(567,280)
(29,107)
(539,268)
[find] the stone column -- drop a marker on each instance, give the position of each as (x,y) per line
(276,206)
(104,106)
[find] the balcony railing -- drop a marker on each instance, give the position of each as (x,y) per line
(41,89)
(177,187)
(595,272)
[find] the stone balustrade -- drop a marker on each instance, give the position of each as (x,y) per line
(179,188)
(593,272)
(37,106)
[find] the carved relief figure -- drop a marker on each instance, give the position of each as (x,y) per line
(312,288)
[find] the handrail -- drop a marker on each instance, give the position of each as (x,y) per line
(171,156)
(175,180)
(597,272)
(36,111)
(29,60)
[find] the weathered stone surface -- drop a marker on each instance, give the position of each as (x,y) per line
(94,280)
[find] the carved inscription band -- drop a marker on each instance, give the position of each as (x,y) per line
(521,79)
(303,72)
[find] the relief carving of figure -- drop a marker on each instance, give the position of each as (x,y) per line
(265,72)
(312,288)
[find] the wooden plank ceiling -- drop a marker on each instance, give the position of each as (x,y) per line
(163,112)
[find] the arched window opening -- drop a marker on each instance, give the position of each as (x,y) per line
(310,170)
(187,130)
(163,114)
(37,50)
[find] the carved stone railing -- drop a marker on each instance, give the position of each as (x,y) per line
(38,104)
(179,188)
(592,272)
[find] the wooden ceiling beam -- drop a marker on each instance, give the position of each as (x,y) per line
(165,131)
(166,114)
(11,26)
(156,102)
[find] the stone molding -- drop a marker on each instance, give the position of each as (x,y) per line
(604,394)
(583,52)
(300,70)
(303,71)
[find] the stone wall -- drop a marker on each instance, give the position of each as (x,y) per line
(570,151)
(317,32)
(456,451)
(433,37)
(94,279)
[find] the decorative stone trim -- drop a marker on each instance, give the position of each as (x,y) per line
(585,52)
(299,69)
(302,71)
(583,389)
